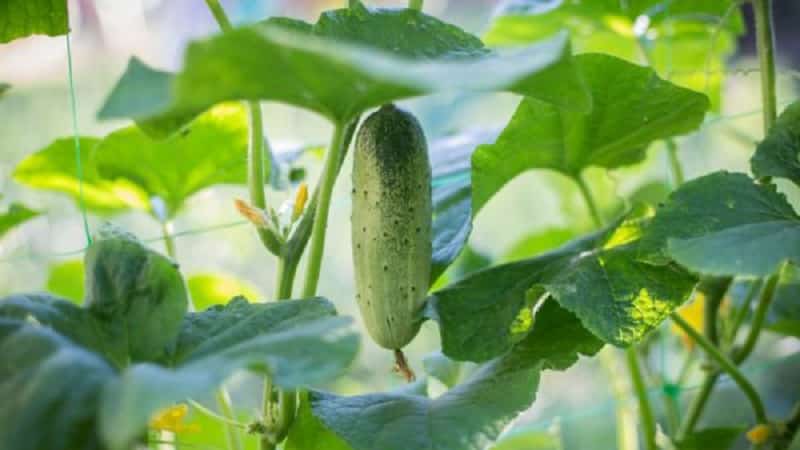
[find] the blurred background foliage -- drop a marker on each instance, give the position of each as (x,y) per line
(220,256)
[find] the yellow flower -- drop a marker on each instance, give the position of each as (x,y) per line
(759,434)
(256,216)
(300,201)
(172,419)
(693,314)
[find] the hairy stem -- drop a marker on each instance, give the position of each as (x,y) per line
(726,365)
(169,241)
(328,179)
(758,320)
(645,410)
(586,193)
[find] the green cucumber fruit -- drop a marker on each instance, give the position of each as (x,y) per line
(391,225)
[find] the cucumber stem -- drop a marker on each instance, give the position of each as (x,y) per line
(328,179)
(402,367)
(586,193)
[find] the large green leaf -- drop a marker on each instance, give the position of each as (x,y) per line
(55,168)
(597,277)
(223,326)
(686,41)
(314,350)
(15,215)
(213,150)
(471,415)
(539,242)
(348,62)
(632,107)
(48,383)
(137,293)
(309,433)
(724,224)
(20,18)
(776,155)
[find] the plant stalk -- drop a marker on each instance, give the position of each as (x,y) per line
(169,241)
(329,173)
(674,163)
(757,324)
(765,44)
(231,432)
(727,366)
(645,410)
(589,199)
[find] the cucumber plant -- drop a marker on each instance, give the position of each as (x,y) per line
(596,89)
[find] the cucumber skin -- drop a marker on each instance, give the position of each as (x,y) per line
(391,225)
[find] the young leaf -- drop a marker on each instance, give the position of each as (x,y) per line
(471,415)
(48,381)
(711,439)
(54,168)
(213,150)
(632,107)
(724,224)
(315,350)
(66,279)
(776,155)
(21,18)
(137,293)
(16,214)
(348,62)
(687,41)
(209,289)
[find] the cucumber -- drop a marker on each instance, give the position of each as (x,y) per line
(391,225)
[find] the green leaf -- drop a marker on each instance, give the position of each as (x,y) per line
(444,369)
(471,415)
(309,433)
(213,150)
(48,383)
(632,107)
(687,41)
(137,293)
(724,224)
(15,215)
(597,277)
(21,18)
(224,326)
(315,350)
(4,87)
(348,62)
(528,440)
(54,168)
(452,195)
(784,312)
(539,242)
(776,155)
(66,279)
(711,439)
(209,289)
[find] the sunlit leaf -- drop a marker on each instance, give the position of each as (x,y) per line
(15,215)
(538,242)
(632,107)
(55,168)
(66,279)
(209,289)
(21,18)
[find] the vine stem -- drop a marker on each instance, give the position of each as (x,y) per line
(589,199)
(765,43)
(231,431)
(645,410)
(727,366)
(676,169)
(320,226)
